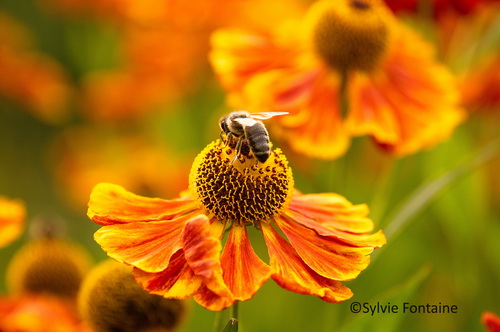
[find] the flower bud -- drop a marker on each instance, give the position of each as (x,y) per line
(111,300)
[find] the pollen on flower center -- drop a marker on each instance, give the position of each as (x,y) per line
(349,34)
(243,191)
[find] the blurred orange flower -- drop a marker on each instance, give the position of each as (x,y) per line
(163,47)
(480,86)
(43,279)
(175,245)
(12,214)
(85,156)
(30,78)
(491,321)
(38,313)
(397,93)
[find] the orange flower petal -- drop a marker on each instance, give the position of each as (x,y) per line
(147,246)
(202,252)
(291,273)
(311,138)
(375,240)
(211,301)
(410,103)
(176,281)
(238,54)
(112,204)
(244,271)
(325,255)
(333,211)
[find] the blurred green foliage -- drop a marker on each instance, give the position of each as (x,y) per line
(447,254)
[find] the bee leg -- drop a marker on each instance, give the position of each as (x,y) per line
(238,149)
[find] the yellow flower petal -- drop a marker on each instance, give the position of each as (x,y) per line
(12,214)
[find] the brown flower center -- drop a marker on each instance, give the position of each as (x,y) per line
(243,191)
(350,34)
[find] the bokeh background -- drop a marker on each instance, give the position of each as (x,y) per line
(122,92)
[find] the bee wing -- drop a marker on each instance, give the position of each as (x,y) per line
(245,122)
(266,115)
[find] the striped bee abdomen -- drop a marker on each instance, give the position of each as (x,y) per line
(258,138)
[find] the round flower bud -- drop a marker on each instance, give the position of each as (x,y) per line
(48,265)
(111,300)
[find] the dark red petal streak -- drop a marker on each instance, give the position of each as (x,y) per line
(325,255)
(375,240)
(202,252)
(176,281)
(244,272)
(333,211)
(290,272)
(147,246)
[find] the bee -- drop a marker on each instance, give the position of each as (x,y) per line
(247,129)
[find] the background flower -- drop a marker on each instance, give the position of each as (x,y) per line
(445,251)
(395,94)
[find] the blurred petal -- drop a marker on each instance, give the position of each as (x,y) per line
(291,273)
(311,97)
(325,255)
(176,281)
(411,102)
(491,321)
(111,204)
(333,211)
(12,214)
(202,252)
(147,246)
(244,271)
(238,54)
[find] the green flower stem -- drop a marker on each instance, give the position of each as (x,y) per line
(225,322)
(344,98)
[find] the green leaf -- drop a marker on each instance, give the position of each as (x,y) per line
(426,193)
(231,326)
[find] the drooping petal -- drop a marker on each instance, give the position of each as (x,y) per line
(244,272)
(375,240)
(325,255)
(147,246)
(176,281)
(290,271)
(202,252)
(333,211)
(410,103)
(111,204)
(211,301)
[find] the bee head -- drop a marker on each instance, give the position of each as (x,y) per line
(223,124)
